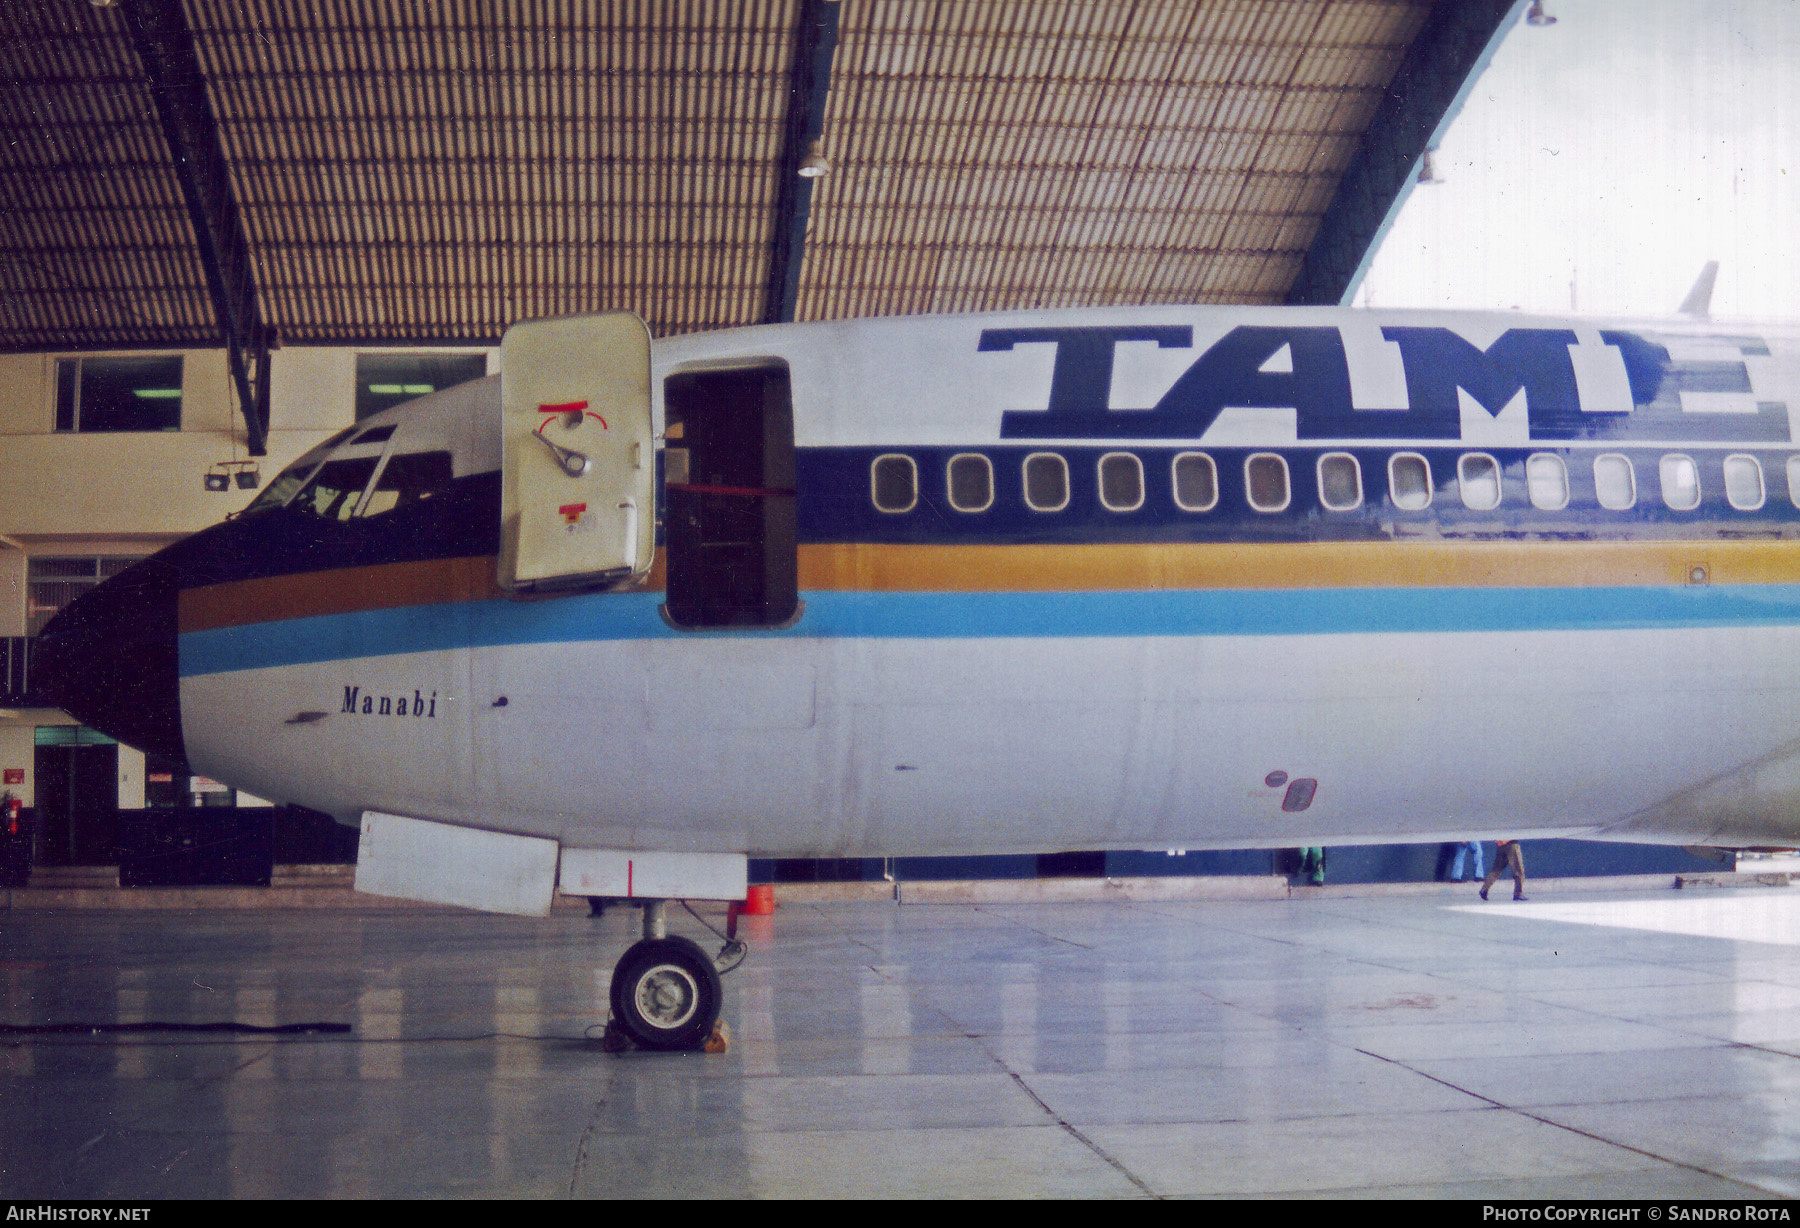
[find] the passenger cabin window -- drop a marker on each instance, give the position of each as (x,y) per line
(1196,482)
(1340,482)
(408,479)
(1266,482)
(970,478)
(1680,482)
(1409,481)
(1121,482)
(1547,482)
(1478,479)
(1615,482)
(893,483)
(1744,482)
(1046,482)
(1793,477)
(336,489)
(119,394)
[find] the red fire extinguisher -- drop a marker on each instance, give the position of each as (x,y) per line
(12,814)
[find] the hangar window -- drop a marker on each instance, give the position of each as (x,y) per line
(1266,481)
(1046,482)
(386,380)
(1743,482)
(119,394)
(1615,482)
(894,483)
(970,478)
(1547,482)
(1340,481)
(1680,482)
(1478,480)
(1409,481)
(410,478)
(52,583)
(1196,482)
(1121,482)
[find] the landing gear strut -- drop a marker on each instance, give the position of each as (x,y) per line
(665,989)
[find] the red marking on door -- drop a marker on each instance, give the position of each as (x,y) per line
(566,407)
(628,866)
(571,512)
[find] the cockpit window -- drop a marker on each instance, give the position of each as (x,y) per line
(409,479)
(277,493)
(337,488)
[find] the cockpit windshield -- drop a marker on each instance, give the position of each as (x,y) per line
(277,493)
(336,489)
(332,488)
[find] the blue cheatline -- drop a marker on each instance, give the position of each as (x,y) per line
(911,615)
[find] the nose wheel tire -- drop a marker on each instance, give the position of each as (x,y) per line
(665,994)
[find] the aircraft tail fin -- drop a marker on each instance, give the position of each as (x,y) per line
(1698,303)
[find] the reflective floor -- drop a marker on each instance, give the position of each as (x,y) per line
(1641,1046)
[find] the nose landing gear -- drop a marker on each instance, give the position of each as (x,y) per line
(665,991)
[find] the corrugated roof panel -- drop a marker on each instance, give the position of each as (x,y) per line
(432,172)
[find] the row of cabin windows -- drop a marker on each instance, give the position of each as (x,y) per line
(969,482)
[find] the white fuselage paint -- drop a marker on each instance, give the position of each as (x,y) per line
(893,746)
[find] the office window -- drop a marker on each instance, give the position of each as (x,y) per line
(1196,482)
(1478,480)
(1046,482)
(119,394)
(1743,482)
(1615,482)
(52,583)
(970,479)
(1340,481)
(1547,482)
(1121,482)
(893,483)
(1266,481)
(1409,481)
(386,380)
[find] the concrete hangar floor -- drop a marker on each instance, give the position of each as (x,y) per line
(1641,1044)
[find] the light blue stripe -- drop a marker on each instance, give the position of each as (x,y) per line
(836,615)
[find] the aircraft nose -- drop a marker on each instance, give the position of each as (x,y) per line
(109,659)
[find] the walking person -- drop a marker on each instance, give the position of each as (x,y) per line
(1463,851)
(1507,856)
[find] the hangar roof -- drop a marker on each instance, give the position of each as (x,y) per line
(392,173)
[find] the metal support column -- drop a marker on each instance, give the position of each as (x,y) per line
(165,45)
(815,42)
(1427,91)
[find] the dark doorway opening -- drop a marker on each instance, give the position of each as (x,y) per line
(729,472)
(77,804)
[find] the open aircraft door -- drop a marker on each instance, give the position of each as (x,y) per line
(577,502)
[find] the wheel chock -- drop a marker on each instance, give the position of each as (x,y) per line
(617,1040)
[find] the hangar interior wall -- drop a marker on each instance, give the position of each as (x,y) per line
(129,493)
